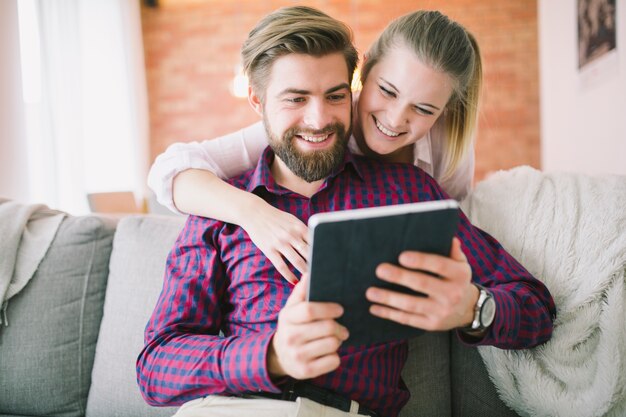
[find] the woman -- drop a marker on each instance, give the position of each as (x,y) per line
(418,104)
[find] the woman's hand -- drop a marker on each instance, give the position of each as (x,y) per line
(278,235)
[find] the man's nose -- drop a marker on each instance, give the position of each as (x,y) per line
(317,115)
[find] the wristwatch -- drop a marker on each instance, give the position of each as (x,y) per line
(484,311)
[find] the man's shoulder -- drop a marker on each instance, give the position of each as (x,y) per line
(196,228)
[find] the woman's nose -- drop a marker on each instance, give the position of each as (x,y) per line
(396,117)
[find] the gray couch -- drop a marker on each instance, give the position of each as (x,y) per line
(75,331)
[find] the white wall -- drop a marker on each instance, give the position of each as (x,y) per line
(13,181)
(583,115)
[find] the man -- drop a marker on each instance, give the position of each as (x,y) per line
(300,63)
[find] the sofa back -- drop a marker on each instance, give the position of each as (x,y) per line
(47,350)
(137,266)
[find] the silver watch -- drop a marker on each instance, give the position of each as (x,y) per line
(484,310)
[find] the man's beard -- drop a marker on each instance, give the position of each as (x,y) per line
(313,165)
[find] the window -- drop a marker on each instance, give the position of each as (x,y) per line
(85,99)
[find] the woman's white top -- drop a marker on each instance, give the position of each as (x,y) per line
(235,153)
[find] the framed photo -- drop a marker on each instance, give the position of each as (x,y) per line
(596,30)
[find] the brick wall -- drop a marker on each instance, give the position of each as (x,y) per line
(192,48)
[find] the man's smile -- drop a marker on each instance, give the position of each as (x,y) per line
(314,138)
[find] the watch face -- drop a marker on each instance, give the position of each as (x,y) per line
(488,312)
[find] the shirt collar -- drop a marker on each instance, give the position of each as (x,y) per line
(262,174)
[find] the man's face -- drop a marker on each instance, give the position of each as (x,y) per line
(307,113)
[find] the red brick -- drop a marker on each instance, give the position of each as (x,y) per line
(192,46)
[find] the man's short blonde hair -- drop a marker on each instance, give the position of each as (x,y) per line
(298,30)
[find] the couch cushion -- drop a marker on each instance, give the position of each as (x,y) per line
(47,351)
(473,392)
(427,374)
(137,266)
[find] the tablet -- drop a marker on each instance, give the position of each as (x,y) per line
(347,246)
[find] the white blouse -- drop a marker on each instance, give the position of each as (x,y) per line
(235,153)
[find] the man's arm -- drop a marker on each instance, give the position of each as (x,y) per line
(524,306)
(525,309)
(184,356)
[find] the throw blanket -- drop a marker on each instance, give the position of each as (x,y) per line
(26,233)
(569,231)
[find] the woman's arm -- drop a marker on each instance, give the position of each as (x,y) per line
(188,177)
(278,234)
(226,157)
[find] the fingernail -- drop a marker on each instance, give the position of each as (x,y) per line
(382,271)
(404,257)
(372,294)
(346,334)
(375,310)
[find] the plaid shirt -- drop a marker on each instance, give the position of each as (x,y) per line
(217,280)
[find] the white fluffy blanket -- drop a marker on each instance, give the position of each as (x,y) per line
(26,233)
(569,231)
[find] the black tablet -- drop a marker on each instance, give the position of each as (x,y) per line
(347,246)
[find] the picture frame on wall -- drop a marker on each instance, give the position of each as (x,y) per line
(597,42)
(596,30)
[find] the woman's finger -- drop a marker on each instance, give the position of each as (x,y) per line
(295,259)
(280,265)
(302,247)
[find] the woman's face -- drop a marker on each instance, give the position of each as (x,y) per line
(400,101)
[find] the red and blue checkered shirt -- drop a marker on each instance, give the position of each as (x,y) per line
(217,280)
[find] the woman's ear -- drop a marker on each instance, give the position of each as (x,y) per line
(255,101)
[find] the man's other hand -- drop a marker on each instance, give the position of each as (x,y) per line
(307,337)
(451,296)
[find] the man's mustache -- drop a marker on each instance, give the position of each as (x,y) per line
(330,128)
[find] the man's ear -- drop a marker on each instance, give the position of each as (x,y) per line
(255,101)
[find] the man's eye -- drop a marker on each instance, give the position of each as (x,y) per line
(336,97)
(295,100)
(386,92)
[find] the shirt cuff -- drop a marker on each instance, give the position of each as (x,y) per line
(246,368)
(503,331)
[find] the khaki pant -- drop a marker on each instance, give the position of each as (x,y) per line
(219,406)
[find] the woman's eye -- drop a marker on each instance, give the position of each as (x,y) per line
(422,110)
(386,92)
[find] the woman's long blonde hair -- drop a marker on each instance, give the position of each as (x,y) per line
(446,46)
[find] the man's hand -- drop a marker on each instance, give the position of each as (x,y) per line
(451,296)
(307,337)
